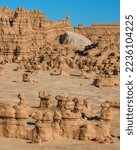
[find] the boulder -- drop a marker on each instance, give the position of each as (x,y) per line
(75,39)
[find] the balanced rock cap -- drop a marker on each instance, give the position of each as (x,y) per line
(60,98)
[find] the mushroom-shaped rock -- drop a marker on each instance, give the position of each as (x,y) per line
(43,95)
(45,100)
(61,101)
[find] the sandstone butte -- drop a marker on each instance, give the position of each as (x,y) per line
(37,44)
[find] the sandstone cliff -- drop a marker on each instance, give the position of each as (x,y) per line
(23,31)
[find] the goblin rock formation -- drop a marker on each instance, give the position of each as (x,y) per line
(13,120)
(101,131)
(38,44)
(45,100)
(63,120)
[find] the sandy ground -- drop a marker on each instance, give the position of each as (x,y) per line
(17,144)
(11,84)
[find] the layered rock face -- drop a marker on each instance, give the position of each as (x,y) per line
(23,31)
(107,33)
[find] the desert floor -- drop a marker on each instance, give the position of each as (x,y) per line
(11,85)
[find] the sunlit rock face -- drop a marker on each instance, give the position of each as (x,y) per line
(23,31)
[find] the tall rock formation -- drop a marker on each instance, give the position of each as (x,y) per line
(23,31)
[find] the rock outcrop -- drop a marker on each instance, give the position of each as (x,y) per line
(45,100)
(56,122)
(75,39)
(13,120)
(101,131)
(22,32)
(38,44)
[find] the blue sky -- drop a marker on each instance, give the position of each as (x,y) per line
(84,12)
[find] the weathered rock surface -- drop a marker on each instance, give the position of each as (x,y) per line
(27,38)
(41,47)
(22,31)
(75,39)
(64,120)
